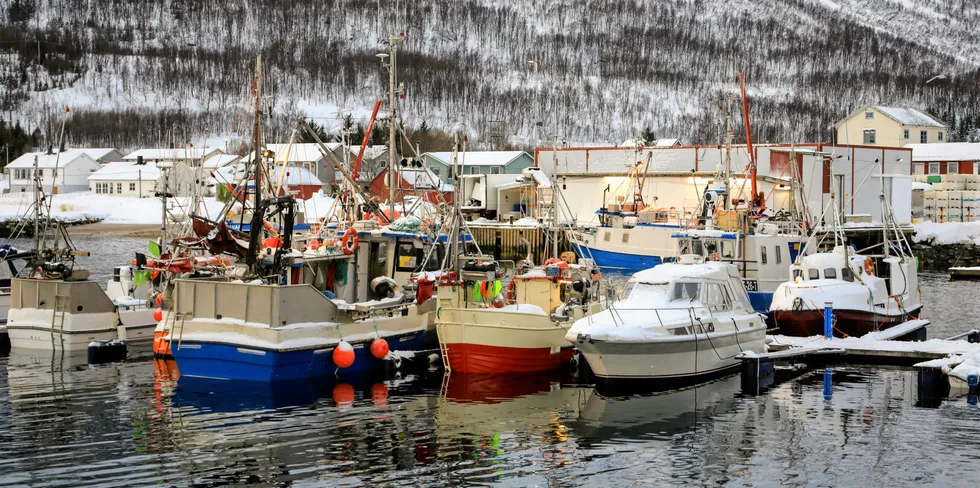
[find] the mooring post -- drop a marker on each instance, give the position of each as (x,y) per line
(828,320)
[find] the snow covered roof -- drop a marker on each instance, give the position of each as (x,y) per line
(221,160)
(479,158)
(296,176)
(295,153)
(669,271)
(656,143)
(950,151)
(902,115)
(667,142)
(172,154)
(418,179)
(127,171)
(97,153)
(45,160)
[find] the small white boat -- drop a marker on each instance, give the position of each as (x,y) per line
(677,321)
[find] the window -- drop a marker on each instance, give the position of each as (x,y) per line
(605,237)
(697,248)
(923,136)
(686,291)
(951,168)
(869,115)
(110,188)
(779,254)
(715,297)
(132,187)
(940,135)
(474,170)
(763,255)
(905,133)
(408,257)
(797,273)
(727,249)
(496,170)
(626,237)
(813,274)
(869,136)
(934,168)
(846,274)
(118,188)
(628,289)
(435,171)
(830,273)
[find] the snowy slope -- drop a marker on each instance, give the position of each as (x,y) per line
(602,70)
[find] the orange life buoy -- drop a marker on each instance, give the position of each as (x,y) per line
(349,243)
(869,266)
(551,261)
(512,291)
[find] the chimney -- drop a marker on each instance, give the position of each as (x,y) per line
(50,149)
(139,160)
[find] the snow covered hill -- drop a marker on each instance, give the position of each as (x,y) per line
(599,71)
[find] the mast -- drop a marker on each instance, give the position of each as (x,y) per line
(37,207)
(748,136)
(256,223)
(393,42)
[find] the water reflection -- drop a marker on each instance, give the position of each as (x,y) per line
(64,423)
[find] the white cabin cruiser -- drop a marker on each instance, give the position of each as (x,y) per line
(677,321)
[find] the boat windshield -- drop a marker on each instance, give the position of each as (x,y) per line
(686,291)
(652,293)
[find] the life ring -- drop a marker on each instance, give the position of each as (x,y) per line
(349,242)
(512,291)
(869,267)
(556,262)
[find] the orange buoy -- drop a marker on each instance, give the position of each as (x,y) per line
(154,274)
(379,394)
(160,299)
(343,355)
(157,314)
(343,394)
(273,242)
(379,348)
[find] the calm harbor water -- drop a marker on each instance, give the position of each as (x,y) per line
(64,423)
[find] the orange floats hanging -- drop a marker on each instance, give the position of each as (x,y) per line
(343,355)
(379,348)
(157,314)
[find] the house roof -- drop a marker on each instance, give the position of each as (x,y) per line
(97,152)
(904,116)
(418,179)
(127,171)
(221,160)
(294,153)
(948,152)
(478,158)
(172,153)
(656,143)
(296,176)
(45,160)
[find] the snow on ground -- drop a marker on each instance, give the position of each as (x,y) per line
(947,233)
(87,205)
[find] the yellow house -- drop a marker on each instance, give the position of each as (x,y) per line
(873,125)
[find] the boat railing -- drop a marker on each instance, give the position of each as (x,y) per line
(694,317)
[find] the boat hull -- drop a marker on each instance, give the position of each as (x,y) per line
(229,361)
(610,259)
(676,358)
(32,329)
(854,323)
(493,341)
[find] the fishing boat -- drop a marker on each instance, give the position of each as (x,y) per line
(677,321)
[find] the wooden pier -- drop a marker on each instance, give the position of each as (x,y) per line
(902,345)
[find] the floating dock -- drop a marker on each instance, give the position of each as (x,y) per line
(966,274)
(903,345)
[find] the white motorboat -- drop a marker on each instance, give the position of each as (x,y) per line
(676,321)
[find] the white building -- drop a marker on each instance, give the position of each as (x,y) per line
(129,179)
(309,156)
(73,167)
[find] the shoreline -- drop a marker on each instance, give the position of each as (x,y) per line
(115,230)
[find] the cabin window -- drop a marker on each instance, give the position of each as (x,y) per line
(646,292)
(779,254)
(626,237)
(813,274)
(763,255)
(628,289)
(714,297)
(408,257)
(605,237)
(830,274)
(797,273)
(846,275)
(697,248)
(727,249)
(686,292)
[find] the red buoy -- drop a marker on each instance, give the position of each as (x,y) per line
(379,348)
(343,355)
(160,299)
(157,314)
